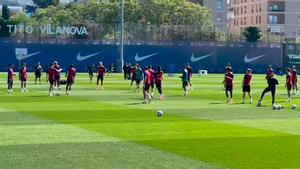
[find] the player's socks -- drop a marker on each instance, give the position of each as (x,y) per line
(230,100)
(259,103)
(251,100)
(243,101)
(161,96)
(289,99)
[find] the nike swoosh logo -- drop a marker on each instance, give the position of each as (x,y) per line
(22,57)
(83,58)
(249,60)
(197,59)
(138,58)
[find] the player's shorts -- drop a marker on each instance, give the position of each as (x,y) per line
(294,82)
(100,77)
(138,81)
(158,85)
(10,82)
(147,86)
(57,78)
(247,88)
(152,84)
(51,81)
(228,88)
(23,79)
(133,78)
(289,87)
(70,81)
(91,73)
(184,84)
(38,75)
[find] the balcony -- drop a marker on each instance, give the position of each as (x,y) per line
(276,7)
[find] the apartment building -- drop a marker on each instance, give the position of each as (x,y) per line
(281,17)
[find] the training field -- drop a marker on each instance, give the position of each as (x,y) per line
(111,129)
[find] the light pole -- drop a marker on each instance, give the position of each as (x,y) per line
(122,35)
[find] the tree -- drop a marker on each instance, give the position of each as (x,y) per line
(252,34)
(45,3)
(5,12)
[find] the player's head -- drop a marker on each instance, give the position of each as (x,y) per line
(293,67)
(145,68)
(149,67)
(11,66)
(270,66)
(23,64)
(159,68)
(100,63)
(248,71)
(188,64)
(287,69)
(229,69)
(55,62)
(71,65)
(137,65)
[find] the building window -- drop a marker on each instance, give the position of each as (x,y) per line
(273,19)
(219,4)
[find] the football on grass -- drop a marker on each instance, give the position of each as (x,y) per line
(160,113)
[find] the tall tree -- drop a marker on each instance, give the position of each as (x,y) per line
(45,3)
(252,34)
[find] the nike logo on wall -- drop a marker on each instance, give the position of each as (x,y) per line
(197,59)
(22,57)
(83,58)
(138,58)
(249,60)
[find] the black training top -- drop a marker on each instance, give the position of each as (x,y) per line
(272,82)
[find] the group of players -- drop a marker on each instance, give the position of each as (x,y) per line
(290,84)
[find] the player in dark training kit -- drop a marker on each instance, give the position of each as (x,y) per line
(272,82)
(228,83)
(38,72)
(23,78)
(51,72)
(91,69)
(158,81)
(133,75)
(294,79)
(289,83)
(185,80)
(71,73)
(10,79)
(138,77)
(100,75)
(246,85)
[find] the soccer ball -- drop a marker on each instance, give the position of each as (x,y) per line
(279,107)
(160,113)
(294,107)
(275,107)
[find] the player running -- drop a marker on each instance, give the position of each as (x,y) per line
(91,69)
(270,72)
(190,74)
(272,82)
(147,84)
(38,72)
(23,78)
(71,73)
(289,83)
(158,81)
(228,83)
(246,85)
(294,79)
(10,79)
(133,75)
(100,75)
(57,75)
(185,80)
(51,72)
(152,72)
(138,77)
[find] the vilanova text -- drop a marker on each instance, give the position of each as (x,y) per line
(48,29)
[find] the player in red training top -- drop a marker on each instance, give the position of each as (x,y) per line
(228,82)
(51,72)
(246,85)
(158,81)
(294,79)
(100,75)
(57,76)
(190,74)
(289,83)
(10,79)
(147,84)
(71,73)
(152,72)
(133,75)
(23,77)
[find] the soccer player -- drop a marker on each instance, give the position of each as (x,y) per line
(133,75)
(23,77)
(147,84)
(270,72)
(10,79)
(272,82)
(71,73)
(158,81)
(100,75)
(38,72)
(91,69)
(152,72)
(185,80)
(289,83)
(247,85)
(125,71)
(57,75)
(228,82)
(294,79)
(190,74)
(138,77)
(51,71)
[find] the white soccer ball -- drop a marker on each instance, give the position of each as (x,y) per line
(279,107)
(160,113)
(275,107)
(294,107)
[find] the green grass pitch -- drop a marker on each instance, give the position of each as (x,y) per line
(111,128)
